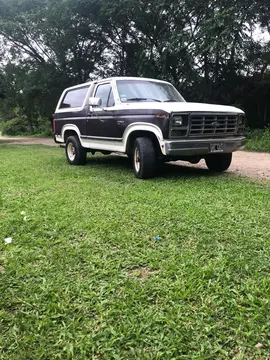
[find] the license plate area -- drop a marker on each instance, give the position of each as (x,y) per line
(216,147)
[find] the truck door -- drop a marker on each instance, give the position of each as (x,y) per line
(102,121)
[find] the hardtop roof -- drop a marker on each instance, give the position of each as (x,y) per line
(115,78)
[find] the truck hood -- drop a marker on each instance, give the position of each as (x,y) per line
(180,107)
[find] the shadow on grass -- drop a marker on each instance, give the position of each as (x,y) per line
(165,171)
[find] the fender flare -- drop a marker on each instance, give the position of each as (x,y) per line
(141,126)
(70,127)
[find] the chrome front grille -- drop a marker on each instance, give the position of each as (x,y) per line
(211,124)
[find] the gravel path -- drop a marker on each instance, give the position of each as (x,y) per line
(250,164)
(27,141)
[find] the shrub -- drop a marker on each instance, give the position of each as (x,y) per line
(18,126)
(258,140)
(43,126)
(15,126)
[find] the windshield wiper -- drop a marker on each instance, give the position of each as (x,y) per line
(170,100)
(142,99)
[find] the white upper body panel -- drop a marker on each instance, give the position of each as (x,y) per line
(169,107)
(178,107)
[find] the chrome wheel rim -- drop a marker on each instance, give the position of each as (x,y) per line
(137,160)
(71,151)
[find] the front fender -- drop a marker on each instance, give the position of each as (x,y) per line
(148,127)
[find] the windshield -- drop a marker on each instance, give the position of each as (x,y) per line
(147,90)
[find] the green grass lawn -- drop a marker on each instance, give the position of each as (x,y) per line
(85,278)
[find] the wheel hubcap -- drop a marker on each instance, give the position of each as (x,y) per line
(137,160)
(71,151)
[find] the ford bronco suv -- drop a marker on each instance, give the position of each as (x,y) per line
(149,121)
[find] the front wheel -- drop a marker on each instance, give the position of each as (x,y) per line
(75,153)
(144,158)
(218,162)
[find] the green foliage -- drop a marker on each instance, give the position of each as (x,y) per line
(85,277)
(206,49)
(16,126)
(19,126)
(43,126)
(14,122)
(258,140)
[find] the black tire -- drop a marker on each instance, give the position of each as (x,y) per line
(75,153)
(218,162)
(144,158)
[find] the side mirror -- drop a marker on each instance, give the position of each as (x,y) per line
(94,101)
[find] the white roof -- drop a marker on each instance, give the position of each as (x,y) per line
(115,78)
(88,83)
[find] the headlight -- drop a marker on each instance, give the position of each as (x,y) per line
(178,120)
(241,120)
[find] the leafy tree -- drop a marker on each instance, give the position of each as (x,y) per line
(206,49)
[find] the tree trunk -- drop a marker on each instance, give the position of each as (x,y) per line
(30,125)
(216,78)
(206,78)
(265,115)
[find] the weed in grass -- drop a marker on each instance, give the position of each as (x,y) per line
(141,272)
(70,289)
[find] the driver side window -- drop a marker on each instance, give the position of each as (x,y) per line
(104,92)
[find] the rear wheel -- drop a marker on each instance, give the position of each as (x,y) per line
(75,153)
(144,158)
(218,162)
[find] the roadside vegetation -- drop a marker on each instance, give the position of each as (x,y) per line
(95,264)
(203,48)
(258,140)
(17,125)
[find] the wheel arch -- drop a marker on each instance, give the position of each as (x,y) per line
(142,130)
(70,130)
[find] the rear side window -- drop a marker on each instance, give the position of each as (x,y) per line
(74,98)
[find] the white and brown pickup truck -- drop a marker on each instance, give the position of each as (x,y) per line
(148,120)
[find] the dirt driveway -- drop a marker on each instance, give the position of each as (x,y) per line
(251,164)
(27,141)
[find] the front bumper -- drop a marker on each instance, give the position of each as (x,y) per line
(190,147)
